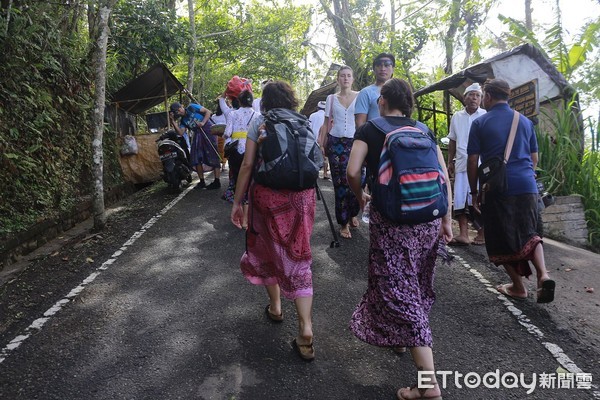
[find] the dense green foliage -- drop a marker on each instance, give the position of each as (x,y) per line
(566,171)
(44,114)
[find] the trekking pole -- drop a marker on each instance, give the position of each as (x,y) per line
(335,242)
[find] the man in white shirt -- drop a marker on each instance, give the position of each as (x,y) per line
(460,125)
(316,120)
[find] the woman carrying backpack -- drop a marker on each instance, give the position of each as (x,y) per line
(280,223)
(336,137)
(394,311)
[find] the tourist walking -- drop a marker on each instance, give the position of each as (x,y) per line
(336,137)
(510,216)
(280,223)
(394,311)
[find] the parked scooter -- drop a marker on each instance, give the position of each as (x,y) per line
(173,153)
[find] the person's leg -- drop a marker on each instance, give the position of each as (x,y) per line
(200,171)
(480,238)
(304,309)
(463,228)
(516,288)
(545,285)
(423,359)
(274,299)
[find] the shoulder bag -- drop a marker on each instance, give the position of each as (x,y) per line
(492,172)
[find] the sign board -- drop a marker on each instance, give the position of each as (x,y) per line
(524,99)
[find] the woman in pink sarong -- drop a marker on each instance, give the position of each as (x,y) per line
(280,223)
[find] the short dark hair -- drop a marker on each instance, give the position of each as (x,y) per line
(497,88)
(399,96)
(245,98)
(278,94)
(384,55)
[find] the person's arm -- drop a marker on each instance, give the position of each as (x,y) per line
(360,120)
(446,231)
(472,164)
(353,171)
(534,158)
(451,155)
(178,128)
(207,114)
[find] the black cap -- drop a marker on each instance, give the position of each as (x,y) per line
(175,106)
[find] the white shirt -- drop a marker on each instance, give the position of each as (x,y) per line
(343,118)
(256,105)
(238,121)
(316,121)
(460,125)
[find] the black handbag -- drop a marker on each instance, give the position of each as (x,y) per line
(492,172)
(230,148)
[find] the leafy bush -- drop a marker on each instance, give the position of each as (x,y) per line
(45,134)
(569,168)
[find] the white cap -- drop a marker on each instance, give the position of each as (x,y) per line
(321,105)
(475,87)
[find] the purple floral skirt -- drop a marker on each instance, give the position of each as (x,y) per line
(395,309)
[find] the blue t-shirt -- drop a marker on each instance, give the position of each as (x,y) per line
(488,137)
(192,117)
(366,102)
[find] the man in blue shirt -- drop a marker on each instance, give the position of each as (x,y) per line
(366,107)
(511,217)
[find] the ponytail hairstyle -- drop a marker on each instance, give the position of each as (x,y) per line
(245,98)
(398,94)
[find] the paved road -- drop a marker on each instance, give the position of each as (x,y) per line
(169,316)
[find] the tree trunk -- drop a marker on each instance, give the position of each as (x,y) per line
(449,45)
(99,62)
(347,38)
(193,41)
(528,21)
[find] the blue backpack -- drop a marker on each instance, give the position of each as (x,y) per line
(410,187)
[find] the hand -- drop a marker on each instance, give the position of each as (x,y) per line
(237,215)
(446,229)
(363,200)
(477,202)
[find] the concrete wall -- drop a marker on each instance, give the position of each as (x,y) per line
(564,221)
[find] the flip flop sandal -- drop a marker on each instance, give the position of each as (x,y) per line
(545,294)
(273,317)
(305,351)
(456,243)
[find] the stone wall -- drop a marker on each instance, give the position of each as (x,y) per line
(565,221)
(23,243)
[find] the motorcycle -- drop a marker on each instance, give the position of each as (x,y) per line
(172,151)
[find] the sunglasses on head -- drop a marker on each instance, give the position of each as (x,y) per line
(384,63)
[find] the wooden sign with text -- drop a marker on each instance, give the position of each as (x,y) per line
(524,99)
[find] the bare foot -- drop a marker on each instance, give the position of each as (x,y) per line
(354,222)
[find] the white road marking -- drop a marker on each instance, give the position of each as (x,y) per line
(552,348)
(39,323)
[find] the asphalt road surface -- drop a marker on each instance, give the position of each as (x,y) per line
(168,315)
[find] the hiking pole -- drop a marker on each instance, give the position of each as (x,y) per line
(335,242)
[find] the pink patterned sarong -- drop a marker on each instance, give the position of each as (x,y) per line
(280,223)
